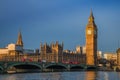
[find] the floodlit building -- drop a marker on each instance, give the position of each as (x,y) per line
(79,49)
(99,54)
(110,56)
(84,49)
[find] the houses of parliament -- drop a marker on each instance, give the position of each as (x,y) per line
(54,52)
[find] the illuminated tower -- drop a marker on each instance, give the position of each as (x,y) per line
(91,41)
(19,40)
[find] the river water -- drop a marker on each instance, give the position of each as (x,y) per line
(88,75)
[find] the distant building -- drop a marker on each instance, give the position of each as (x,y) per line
(118,56)
(66,51)
(10,49)
(79,49)
(110,56)
(84,49)
(99,54)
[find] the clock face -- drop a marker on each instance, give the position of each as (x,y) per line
(89,32)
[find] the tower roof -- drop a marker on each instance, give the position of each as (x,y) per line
(91,14)
(91,18)
(19,40)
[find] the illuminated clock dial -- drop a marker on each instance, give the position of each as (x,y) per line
(89,32)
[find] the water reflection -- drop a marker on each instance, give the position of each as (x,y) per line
(87,75)
(91,75)
(106,76)
(118,75)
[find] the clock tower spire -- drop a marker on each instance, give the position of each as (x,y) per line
(91,41)
(91,18)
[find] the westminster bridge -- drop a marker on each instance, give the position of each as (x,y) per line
(20,66)
(31,63)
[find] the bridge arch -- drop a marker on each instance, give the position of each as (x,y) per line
(1,68)
(91,68)
(56,67)
(76,68)
(25,66)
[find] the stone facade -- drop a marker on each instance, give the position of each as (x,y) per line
(51,53)
(55,53)
(74,58)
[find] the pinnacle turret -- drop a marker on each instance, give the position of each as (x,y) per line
(19,40)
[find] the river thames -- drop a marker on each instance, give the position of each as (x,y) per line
(88,75)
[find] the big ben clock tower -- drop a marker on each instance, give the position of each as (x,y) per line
(91,41)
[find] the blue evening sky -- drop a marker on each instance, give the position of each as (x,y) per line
(59,20)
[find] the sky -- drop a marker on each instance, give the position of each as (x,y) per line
(65,21)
